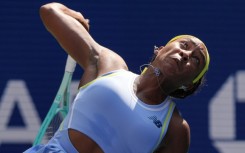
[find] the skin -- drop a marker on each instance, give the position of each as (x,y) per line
(180,62)
(71,31)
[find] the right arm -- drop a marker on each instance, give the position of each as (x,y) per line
(70,30)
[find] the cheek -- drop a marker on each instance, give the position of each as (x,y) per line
(188,64)
(191,72)
(188,69)
(188,73)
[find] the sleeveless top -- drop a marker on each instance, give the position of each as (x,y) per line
(108,111)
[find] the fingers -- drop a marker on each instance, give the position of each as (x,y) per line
(80,18)
(87,20)
(85,23)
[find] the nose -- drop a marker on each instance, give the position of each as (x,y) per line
(184,55)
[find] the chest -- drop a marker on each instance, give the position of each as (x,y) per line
(119,118)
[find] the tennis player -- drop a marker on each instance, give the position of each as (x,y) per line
(115,110)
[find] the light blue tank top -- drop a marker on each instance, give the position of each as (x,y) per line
(108,111)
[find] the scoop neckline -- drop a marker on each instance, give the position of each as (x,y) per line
(152,107)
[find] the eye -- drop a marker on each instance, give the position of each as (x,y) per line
(184,45)
(196,60)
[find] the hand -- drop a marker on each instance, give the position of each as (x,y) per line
(85,24)
(82,20)
(76,15)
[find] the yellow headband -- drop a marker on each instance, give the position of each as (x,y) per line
(205,69)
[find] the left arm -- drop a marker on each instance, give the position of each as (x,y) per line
(177,139)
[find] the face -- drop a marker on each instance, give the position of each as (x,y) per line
(181,60)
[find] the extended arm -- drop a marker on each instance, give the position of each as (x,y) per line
(71,31)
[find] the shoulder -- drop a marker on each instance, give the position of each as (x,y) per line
(178,124)
(109,60)
(106,61)
(178,134)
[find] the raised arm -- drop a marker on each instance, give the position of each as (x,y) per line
(71,31)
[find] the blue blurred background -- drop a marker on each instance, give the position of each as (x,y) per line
(32,63)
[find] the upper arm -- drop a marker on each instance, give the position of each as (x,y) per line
(177,139)
(63,23)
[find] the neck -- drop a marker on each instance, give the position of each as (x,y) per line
(148,89)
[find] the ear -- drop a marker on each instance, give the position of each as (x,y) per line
(157,49)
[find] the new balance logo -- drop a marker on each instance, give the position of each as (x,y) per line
(155,121)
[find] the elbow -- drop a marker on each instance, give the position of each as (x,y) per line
(48,9)
(45,9)
(49,13)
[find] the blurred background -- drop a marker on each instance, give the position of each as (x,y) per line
(32,63)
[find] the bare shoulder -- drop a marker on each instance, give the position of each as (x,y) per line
(178,134)
(109,60)
(179,125)
(106,61)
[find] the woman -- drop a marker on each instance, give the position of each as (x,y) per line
(117,111)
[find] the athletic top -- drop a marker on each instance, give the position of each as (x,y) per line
(108,111)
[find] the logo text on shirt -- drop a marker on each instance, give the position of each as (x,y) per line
(157,122)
